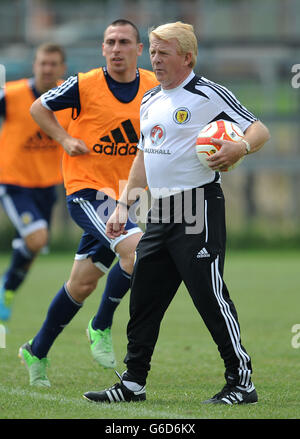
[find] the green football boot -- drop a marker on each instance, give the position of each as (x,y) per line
(101,346)
(36,367)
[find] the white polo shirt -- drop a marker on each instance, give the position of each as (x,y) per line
(170,123)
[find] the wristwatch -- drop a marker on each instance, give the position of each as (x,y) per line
(248,147)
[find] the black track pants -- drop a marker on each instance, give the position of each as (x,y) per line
(167,255)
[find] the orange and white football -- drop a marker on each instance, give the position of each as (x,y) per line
(220,129)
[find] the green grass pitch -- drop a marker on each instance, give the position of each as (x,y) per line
(186,367)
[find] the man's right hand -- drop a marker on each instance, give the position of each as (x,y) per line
(74,147)
(115,226)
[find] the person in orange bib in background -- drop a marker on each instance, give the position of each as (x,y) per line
(100,146)
(30,167)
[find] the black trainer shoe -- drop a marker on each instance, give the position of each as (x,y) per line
(116,393)
(233,395)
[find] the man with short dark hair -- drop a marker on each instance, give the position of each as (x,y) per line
(100,146)
(30,167)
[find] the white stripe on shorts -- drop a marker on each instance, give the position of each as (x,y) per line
(99,265)
(231,323)
(116,241)
(88,208)
(24,230)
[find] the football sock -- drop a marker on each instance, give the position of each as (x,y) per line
(134,387)
(245,387)
(61,311)
(131,383)
(117,285)
(19,267)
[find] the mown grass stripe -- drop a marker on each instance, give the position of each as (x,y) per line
(143,411)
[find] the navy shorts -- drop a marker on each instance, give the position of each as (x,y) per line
(90,209)
(29,209)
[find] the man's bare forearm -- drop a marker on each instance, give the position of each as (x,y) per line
(137,179)
(46,119)
(257,134)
